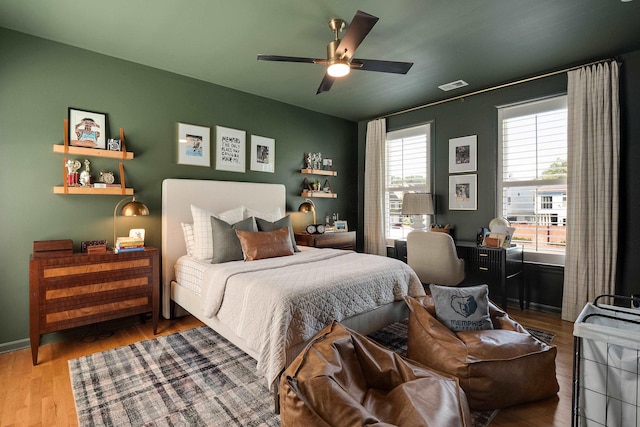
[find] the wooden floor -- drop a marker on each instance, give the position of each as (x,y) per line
(41,395)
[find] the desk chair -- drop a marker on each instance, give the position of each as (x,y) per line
(434,258)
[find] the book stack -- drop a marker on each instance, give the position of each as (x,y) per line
(129,244)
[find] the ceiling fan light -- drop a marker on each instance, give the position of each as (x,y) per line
(338,69)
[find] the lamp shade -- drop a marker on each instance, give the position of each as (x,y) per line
(417,204)
(134,208)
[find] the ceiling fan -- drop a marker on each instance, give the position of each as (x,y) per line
(340,60)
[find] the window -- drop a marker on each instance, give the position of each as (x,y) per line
(533,184)
(407,170)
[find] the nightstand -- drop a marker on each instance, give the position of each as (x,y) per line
(337,240)
(78,289)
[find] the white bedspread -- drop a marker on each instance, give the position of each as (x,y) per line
(279,302)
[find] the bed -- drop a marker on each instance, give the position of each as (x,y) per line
(273,329)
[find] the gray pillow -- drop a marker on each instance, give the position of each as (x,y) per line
(226,245)
(264,225)
(462,309)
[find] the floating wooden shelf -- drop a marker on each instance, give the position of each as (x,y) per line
(93,152)
(110,191)
(66,148)
(322,194)
(319,172)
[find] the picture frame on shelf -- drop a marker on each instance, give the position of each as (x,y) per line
(463,154)
(340,226)
(263,154)
(463,192)
(230,149)
(194,145)
(87,129)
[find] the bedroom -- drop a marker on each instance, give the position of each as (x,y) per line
(39,81)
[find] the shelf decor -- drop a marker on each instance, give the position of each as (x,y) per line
(194,145)
(70,167)
(463,192)
(263,154)
(230,149)
(87,129)
(463,154)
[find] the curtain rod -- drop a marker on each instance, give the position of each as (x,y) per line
(442,101)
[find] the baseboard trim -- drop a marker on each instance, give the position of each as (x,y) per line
(14,345)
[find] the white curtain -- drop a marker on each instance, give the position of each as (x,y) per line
(592,184)
(374,175)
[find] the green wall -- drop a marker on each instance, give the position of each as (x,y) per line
(40,79)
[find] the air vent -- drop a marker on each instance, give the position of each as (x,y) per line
(453,85)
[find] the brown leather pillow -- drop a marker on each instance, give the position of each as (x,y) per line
(265,244)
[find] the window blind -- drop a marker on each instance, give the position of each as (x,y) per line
(533,165)
(407,170)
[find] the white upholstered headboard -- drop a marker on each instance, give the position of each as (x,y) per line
(216,196)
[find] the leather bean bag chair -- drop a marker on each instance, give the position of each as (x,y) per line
(496,368)
(345,379)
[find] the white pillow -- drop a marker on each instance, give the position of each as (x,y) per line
(272,216)
(202,228)
(189,238)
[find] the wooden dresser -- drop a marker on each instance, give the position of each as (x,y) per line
(67,291)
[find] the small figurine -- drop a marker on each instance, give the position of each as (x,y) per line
(72,171)
(85,175)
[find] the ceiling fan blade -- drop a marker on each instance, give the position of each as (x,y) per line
(358,29)
(381,66)
(325,84)
(288,59)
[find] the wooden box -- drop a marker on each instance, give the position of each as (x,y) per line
(52,248)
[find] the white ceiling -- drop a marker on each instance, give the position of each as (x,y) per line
(484,42)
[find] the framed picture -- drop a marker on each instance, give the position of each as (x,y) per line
(87,129)
(463,192)
(194,145)
(230,149)
(462,154)
(263,154)
(341,226)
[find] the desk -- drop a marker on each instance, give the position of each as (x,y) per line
(497,266)
(494,266)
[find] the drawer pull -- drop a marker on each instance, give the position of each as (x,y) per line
(484,268)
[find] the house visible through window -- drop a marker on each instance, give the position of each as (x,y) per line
(533,181)
(407,170)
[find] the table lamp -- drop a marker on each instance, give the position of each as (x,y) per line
(418,205)
(308,206)
(132,208)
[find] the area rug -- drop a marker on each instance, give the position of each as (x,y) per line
(541,335)
(191,378)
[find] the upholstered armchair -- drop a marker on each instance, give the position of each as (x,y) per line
(496,368)
(345,379)
(434,258)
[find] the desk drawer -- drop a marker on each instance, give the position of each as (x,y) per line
(485,260)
